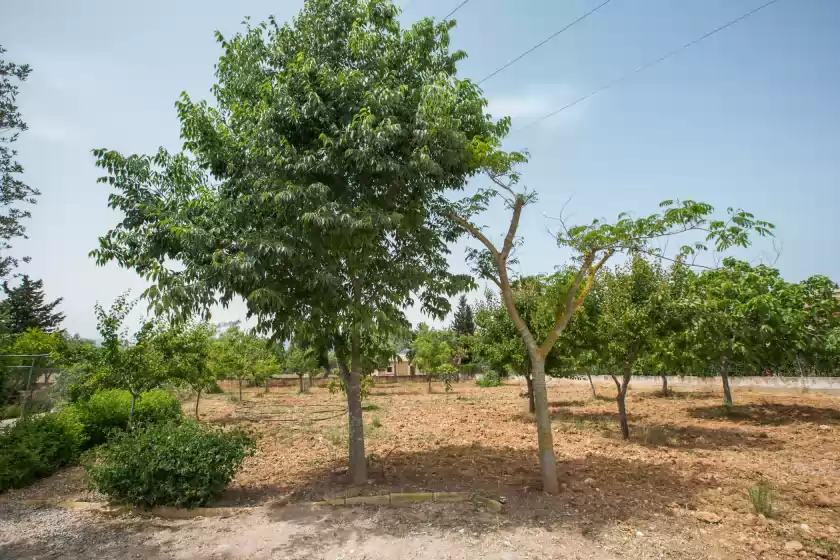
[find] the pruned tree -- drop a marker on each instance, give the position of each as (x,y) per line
(134,364)
(433,351)
(315,184)
(25,307)
(13,191)
(301,361)
(592,246)
(186,351)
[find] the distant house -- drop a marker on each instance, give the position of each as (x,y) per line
(399,367)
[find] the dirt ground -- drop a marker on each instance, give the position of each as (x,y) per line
(677,489)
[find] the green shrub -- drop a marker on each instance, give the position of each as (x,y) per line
(108,410)
(9,411)
(336,385)
(489,379)
(182,465)
(36,447)
(762,499)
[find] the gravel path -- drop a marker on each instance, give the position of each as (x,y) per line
(293,532)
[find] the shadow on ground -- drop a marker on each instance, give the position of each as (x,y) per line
(768,414)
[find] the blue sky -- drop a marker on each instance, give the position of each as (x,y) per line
(748,118)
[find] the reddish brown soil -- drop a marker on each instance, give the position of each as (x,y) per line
(643,498)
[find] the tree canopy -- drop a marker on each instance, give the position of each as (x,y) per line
(24,307)
(13,191)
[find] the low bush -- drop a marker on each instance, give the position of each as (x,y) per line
(762,499)
(36,447)
(109,410)
(489,379)
(182,465)
(336,385)
(9,411)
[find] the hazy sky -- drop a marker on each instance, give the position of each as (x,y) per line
(748,118)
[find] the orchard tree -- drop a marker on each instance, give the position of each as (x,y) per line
(135,364)
(633,319)
(301,361)
(315,183)
(747,315)
(186,351)
(13,191)
(592,246)
(24,307)
(433,352)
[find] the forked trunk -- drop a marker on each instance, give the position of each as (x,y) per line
(724,376)
(592,386)
(621,397)
(664,385)
(545,440)
(530,381)
(197,400)
(356,441)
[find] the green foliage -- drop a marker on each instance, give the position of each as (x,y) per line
(433,350)
(240,355)
(463,322)
(9,411)
(36,447)
(336,385)
(182,465)
(24,307)
(12,190)
(489,379)
(761,497)
(376,422)
(108,411)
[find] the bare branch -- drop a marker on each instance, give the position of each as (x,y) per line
(511,234)
(563,316)
(475,232)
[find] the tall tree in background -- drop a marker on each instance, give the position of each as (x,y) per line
(463,322)
(12,189)
(315,185)
(24,307)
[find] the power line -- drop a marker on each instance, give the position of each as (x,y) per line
(544,41)
(649,64)
(458,7)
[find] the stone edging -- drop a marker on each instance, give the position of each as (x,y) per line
(391,499)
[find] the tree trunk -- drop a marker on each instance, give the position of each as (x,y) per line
(300,383)
(548,463)
(621,400)
(622,415)
(197,400)
(353,385)
(326,370)
(429,382)
(240,389)
(664,385)
(592,385)
(395,368)
(724,376)
(133,406)
(530,381)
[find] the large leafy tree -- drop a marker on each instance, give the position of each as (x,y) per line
(13,191)
(25,307)
(592,246)
(749,316)
(315,185)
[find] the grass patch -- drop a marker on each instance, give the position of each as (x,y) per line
(762,499)
(824,544)
(376,423)
(336,436)
(464,399)
(370,407)
(655,435)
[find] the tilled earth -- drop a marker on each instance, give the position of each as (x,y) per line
(677,489)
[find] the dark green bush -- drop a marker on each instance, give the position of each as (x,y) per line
(36,447)
(183,465)
(107,411)
(489,379)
